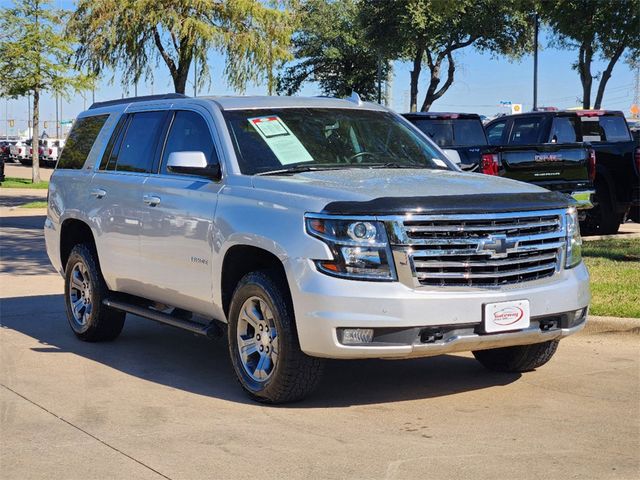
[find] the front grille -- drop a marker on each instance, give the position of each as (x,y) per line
(481,250)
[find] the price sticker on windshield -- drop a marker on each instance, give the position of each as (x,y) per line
(287,148)
(269,126)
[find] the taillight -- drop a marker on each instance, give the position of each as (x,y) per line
(31,151)
(19,151)
(592,165)
(50,151)
(490,164)
(638,160)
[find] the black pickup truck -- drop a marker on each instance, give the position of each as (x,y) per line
(522,153)
(615,170)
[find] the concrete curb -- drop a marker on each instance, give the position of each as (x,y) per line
(598,325)
(619,236)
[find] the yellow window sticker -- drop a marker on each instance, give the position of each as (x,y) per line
(282,142)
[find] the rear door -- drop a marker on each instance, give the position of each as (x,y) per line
(116,201)
(177,241)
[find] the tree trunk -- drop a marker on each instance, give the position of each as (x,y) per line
(606,75)
(584,69)
(415,77)
(180,80)
(35,140)
(433,95)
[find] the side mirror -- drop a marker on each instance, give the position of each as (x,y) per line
(192,163)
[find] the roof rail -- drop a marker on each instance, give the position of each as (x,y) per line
(144,98)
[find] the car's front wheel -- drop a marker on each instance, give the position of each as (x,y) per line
(521,358)
(263,342)
(84,291)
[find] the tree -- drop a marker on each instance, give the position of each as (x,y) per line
(430,32)
(596,28)
(134,35)
(34,57)
(330,48)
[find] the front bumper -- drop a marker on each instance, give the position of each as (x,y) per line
(325,305)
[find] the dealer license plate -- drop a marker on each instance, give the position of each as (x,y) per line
(505,316)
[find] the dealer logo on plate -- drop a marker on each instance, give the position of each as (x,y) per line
(508,316)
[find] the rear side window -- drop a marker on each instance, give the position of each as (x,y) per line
(614,128)
(525,131)
(137,150)
(189,133)
(563,130)
(80,140)
(495,131)
(453,132)
(440,131)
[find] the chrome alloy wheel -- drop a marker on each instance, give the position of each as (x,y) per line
(80,294)
(257,339)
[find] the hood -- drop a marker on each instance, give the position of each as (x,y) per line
(391,191)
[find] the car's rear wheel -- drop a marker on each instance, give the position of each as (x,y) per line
(263,342)
(85,290)
(521,358)
(602,219)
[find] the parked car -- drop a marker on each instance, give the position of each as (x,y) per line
(615,176)
(19,152)
(460,135)
(307,228)
(49,151)
(563,168)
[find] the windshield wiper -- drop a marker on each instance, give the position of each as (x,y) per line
(297,169)
(395,165)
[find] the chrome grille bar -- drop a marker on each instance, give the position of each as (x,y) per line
(480,250)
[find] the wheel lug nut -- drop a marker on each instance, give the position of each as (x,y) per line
(261,348)
(258,337)
(261,328)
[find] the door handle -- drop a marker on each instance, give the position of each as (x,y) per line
(151,200)
(98,193)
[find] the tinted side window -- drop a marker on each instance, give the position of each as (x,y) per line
(525,131)
(440,131)
(495,131)
(189,133)
(615,129)
(563,130)
(139,142)
(80,140)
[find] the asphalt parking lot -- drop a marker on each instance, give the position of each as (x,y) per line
(161,403)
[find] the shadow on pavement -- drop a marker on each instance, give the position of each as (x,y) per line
(23,250)
(14,201)
(171,357)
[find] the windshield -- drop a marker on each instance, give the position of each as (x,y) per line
(453,132)
(315,138)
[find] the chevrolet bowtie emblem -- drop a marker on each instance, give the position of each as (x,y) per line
(497,245)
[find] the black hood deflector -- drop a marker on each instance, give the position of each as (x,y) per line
(451,204)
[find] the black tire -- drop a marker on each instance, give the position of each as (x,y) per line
(294,375)
(98,323)
(602,219)
(521,358)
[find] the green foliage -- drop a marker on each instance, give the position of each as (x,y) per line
(596,28)
(34,54)
(35,57)
(11,182)
(429,32)
(331,49)
(133,35)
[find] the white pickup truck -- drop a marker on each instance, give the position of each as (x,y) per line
(50,151)
(304,229)
(20,152)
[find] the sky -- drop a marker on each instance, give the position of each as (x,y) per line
(482,81)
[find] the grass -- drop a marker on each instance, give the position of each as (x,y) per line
(614,266)
(12,182)
(34,205)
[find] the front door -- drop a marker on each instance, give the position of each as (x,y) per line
(176,241)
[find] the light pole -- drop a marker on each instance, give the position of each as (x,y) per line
(535,61)
(29,115)
(57,118)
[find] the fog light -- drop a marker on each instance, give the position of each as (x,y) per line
(578,314)
(354,336)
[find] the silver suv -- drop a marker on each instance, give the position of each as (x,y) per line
(306,228)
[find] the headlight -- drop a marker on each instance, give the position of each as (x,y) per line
(574,240)
(360,248)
